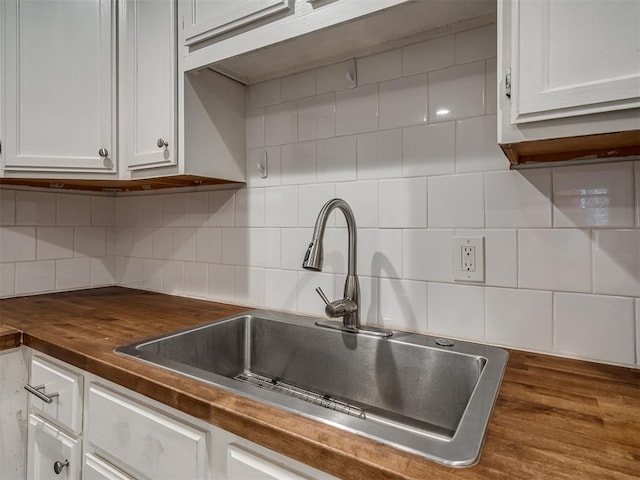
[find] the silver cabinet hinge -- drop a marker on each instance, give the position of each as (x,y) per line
(507,83)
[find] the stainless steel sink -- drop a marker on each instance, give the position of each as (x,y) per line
(407,390)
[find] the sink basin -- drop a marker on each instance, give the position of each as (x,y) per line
(408,390)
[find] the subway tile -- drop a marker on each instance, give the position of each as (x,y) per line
(89,242)
(222,208)
(357,110)
(54,242)
(299,163)
(380,253)
(380,154)
(518,199)
(173,277)
(554,260)
(616,262)
(35,208)
(456,92)
(491,86)
(150,208)
(403,102)
(249,208)
(73,273)
(130,271)
(17,244)
(249,286)
(73,210)
(429,149)
(35,277)
(519,318)
(235,246)
(196,209)
(336,160)
(501,255)
(299,85)
(595,327)
(151,274)
(427,255)
(476,44)
(264,247)
(336,251)
(273,158)
(254,127)
(309,302)
(369,297)
(638,331)
(362,197)
(476,147)
(126,215)
(456,201)
(103,271)
(379,67)
(332,77)
(220,283)
(103,211)
(403,304)
(293,246)
(317,117)
(263,94)
(162,243)
(142,242)
(281,206)
(311,199)
(429,55)
(7,207)
(598,195)
(281,289)
(184,244)
(173,208)
(403,203)
(456,310)
(208,244)
(281,123)
(7,279)
(111,240)
(195,279)
(124,241)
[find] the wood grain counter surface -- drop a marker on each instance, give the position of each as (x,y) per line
(554,418)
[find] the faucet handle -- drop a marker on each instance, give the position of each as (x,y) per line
(322,296)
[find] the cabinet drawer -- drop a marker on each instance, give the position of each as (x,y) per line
(243,464)
(96,469)
(48,445)
(66,408)
(137,438)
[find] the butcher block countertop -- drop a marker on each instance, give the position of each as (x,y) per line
(554,418)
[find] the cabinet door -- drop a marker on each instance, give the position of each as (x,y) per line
(48,445)
(148,83)
(59,86)
(245,465)
(574,58)
(96,469)
(209,18)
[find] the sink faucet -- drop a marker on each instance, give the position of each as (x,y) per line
(348,307)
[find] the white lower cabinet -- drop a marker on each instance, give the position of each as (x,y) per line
(126,436)
(51,453)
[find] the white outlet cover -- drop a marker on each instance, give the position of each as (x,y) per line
(459,273)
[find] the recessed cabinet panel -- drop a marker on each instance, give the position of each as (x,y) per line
(148,83)
(96,469)
(243,464)
(66,407)
(209,18)
(59,87)
(48,445)
(133,436)
(574,58)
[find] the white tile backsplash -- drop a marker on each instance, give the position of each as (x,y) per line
(595,327)
(412,185)
(599,195)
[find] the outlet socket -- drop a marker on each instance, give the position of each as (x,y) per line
(468,259)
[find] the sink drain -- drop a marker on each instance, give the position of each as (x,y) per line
(278,386)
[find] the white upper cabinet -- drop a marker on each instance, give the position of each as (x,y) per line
(568,79)
(59,86)
(147,42)
(574,58)
(208,18)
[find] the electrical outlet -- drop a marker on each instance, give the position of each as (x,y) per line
(468,259)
